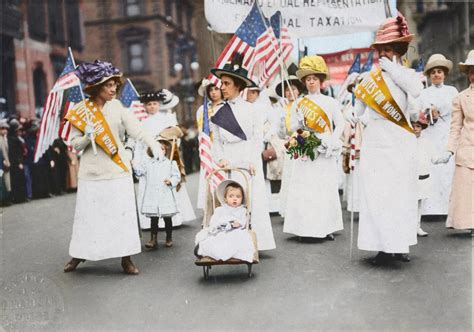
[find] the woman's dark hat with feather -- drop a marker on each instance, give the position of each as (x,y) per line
(235,69)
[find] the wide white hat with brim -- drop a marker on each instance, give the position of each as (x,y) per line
(438,60)
(463,66)
(204,84)
(169,101)
(221,190)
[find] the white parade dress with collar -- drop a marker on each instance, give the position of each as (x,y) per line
(440,96)
(313,208)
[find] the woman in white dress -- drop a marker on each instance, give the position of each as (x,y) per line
(313,207)
(214,97)
(158,105)
(242,147)
(290,90)
(105,220)
(388,163)
(436,101)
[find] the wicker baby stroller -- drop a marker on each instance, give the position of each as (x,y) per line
(211,204)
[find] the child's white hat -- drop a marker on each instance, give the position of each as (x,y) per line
(220,191)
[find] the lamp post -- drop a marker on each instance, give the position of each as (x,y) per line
(186,65)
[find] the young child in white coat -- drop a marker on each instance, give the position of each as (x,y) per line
(162,175)
(227,236)
(424,154)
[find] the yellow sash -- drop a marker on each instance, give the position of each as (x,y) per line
(200,119)
(374,92)
(103,135)
(314,116)
(288,108)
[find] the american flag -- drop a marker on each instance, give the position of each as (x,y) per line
(369,63)
(130,99)
(205,149)
(351,76)
(256,40)
(51,125)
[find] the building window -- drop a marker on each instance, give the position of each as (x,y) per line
(134,43)
(133,7)
(7,73)
(74,24)
(56,22)
(136,61)
(169,10)
(39,84)
(189,19)
(171,45)
(37,19)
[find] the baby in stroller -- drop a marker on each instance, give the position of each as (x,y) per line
(227,235)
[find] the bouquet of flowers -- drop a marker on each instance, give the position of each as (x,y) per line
(302,144)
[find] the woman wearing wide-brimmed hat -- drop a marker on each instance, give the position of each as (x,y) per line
(461,144)
(388,176)
(436,101)
(239,143)
(159,105)
(313,208)
(105,220)
(289,90)
(214,98)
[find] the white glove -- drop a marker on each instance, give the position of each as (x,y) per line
(388,65)
(89,130)
(442,158)
(326,144)
(157,152)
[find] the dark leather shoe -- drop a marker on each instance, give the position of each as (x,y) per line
(402,257)
(330,237)
(72,264)
(381,258)
(128,266)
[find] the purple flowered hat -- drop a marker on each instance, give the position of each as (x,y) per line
(93,74)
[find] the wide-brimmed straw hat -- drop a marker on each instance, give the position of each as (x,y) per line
(393,30)
(463,66)
(171,133)
(438,60)
(312,64)
(98,72)
(220,191)
(234,68)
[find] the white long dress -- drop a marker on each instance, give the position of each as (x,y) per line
(243,153)
(440,96)
(388,173)
(313,208)
(288,165)
(155,124)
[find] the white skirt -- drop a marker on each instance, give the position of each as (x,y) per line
(185,214)
(285,182)
(105,221)
(313,207)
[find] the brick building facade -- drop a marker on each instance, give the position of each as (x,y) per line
(153,42)
(34,39)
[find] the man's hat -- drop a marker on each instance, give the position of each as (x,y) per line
(234,68)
